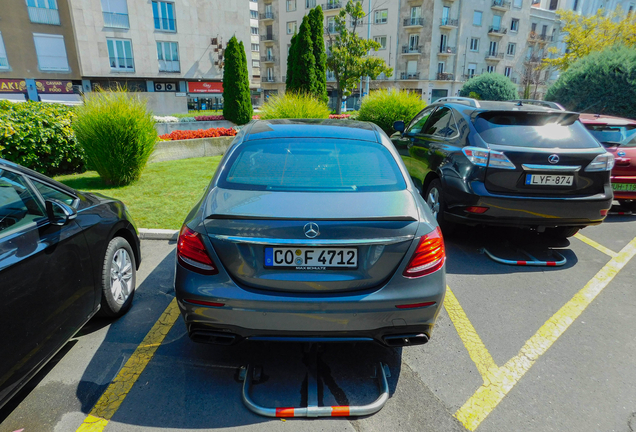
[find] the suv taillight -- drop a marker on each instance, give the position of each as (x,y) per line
(429,256)
(487,158)
(602,162)
(192,254)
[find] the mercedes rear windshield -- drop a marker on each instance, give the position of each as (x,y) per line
(312,165)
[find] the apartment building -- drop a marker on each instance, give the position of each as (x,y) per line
(255,49)
(38,56)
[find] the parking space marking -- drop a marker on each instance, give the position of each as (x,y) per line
(118,389)
(599,247)
(467,333)
(499,381)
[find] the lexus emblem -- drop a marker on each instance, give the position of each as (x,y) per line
(553,159)
(311,230)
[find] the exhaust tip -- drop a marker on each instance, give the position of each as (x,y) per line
(406,340)
(209,337)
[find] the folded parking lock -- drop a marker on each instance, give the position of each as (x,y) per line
(313,410)
(533,261)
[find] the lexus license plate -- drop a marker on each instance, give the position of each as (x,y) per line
(549,180)
(311,258)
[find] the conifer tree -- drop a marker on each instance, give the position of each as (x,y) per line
(237,104)
(291,61)
(304,63)
(245,109)
(316,19)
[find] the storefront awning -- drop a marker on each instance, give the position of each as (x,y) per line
(65,99)
(13,97)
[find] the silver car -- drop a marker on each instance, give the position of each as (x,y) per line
(311,231)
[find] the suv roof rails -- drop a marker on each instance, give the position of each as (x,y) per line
(472,102)
(542,103)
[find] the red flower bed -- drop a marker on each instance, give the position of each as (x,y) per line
(256,117)
(209,118)
(201,133)
(339,116)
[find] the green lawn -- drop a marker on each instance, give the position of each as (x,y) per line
(164,194)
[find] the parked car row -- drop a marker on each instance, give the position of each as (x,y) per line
(310,230)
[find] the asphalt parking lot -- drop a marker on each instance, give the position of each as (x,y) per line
(515,348)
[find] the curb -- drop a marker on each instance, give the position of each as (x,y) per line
(158,234)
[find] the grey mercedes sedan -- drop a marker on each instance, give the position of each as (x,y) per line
(311,231)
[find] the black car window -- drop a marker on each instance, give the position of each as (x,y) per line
(610,134)
(417,124)
(18,205)
(312,165)
(533,129)
(438,124)
(48,192)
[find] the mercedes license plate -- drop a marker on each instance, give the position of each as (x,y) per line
(549,180)
(627,187)
(302,258)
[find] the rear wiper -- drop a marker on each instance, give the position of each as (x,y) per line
(611,143)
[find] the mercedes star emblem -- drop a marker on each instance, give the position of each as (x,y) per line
(311,230)
(553,159)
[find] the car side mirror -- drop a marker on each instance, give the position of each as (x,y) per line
(399,126)
(59,213)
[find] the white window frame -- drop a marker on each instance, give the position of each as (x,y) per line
(514,49)
(331,24)
(381,16)
(517,4)
(379,39)
(514,28)
(491,68)
(43,11)
(118,67)
(309,4)
(293,28)
(161,18)
(472,67)
(254,30)
(42,55)
(109,8)
(256,63)
(291,3)
(161,57)
(479,14)
(253,14)
(508,71)
(256,47)
(474,47)
(4,60)
(441,67)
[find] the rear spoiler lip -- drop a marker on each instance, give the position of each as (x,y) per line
(361,219)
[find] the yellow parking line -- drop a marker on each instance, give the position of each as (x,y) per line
(476,348)
(500,381)
(116,392)
(596,245)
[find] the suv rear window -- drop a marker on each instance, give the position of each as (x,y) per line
(538,130)
(610,134)
(312,165)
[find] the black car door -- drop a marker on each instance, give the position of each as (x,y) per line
(46,284)
(439,138)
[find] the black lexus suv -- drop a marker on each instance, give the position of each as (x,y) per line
(519,163)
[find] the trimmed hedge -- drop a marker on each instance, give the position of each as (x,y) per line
(385,107)
(490,86)
(39,136)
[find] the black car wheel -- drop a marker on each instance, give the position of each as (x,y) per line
(434,197)
(562,232)
(118,278)
(628,204)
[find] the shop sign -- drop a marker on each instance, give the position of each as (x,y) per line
(205,87)
(52,86)
(12,86)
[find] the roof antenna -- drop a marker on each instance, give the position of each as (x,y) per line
(520,103)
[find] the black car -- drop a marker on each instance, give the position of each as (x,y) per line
(64,256)
(507,163)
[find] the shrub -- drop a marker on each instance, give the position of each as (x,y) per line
(166,119)
(237,106)
(39,136)
(117,133)
(187,120)
(384,107)
(294,106)
(490,86)
(604,82)
(200,133)
(210,118)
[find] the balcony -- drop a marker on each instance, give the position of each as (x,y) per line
(268,38)
(540,38)
(169,66)
(497,31)
(447,51)
(468,76)
(409,75)
(500,5)
(267,16)
(43,15)
(443,76)
(413,50)
(268,59)
(493,56)
(115,20)
(414,22)
(332,5)
(268,79)
(448,23)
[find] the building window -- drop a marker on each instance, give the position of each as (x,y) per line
(254,30)
(163,13)
(120,55)
(168,55)
(474,44)
(43,11)
(518,4)
(382,41)
(440,67)
(576,5)
(554,5)
(310,4)
(508,71)
(291,5)
(115,13)
(514,25)
(477,18)
(533,28)
(331,25)
(256,64)
(256,47)
(490,69)
(381,16)
(472,67)
(4,62)
(512,49)
(291,27)
(51,52)
(493,50)
(357,23)
(253,14)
